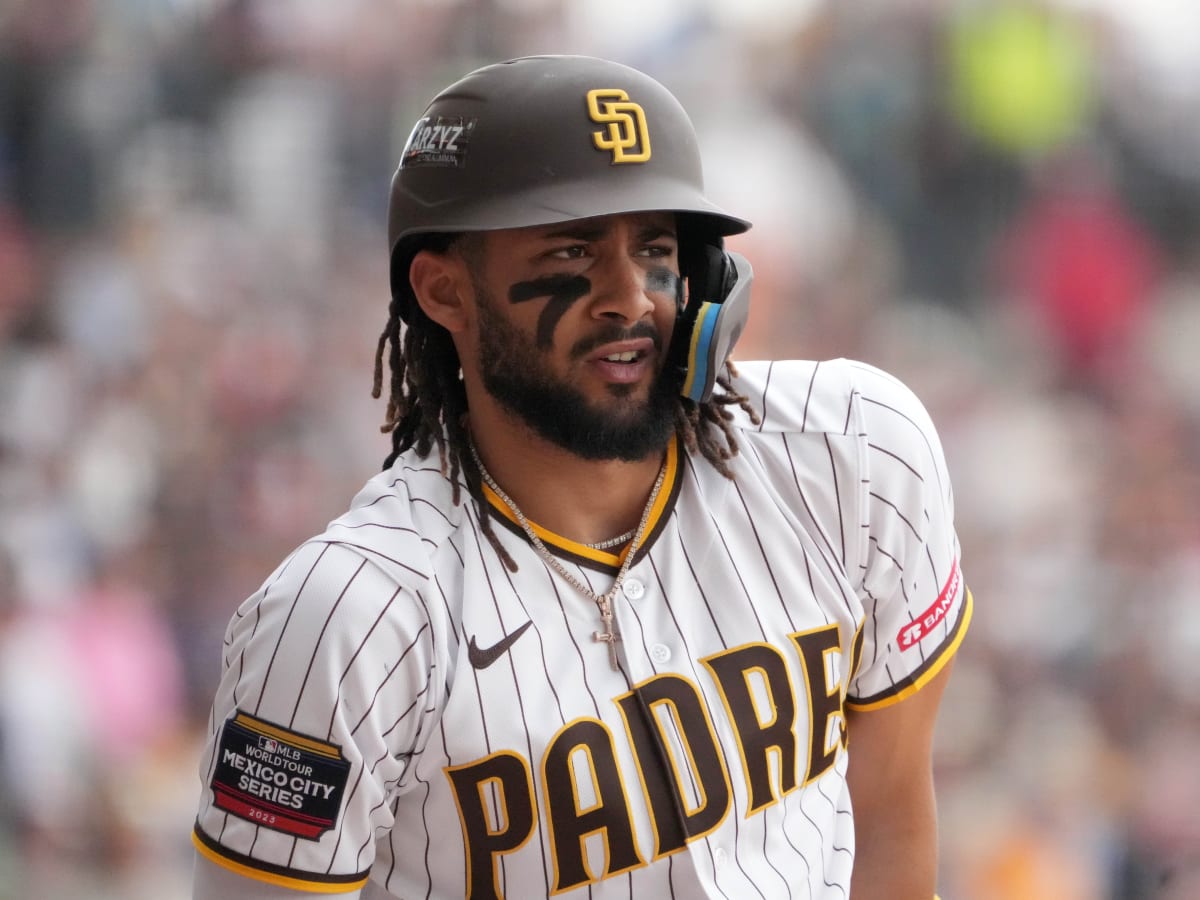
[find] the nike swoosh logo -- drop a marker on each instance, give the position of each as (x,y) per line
(482,657)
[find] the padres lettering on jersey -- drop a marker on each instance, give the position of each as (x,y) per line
(489,748)
(688,794)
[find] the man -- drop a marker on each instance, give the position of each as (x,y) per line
(616,619)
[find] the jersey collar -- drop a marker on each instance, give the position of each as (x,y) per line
(566,548)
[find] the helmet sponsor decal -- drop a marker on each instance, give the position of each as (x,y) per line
(278,778)
(438,141)
(627,138)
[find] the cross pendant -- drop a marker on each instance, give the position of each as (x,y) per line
(610,637)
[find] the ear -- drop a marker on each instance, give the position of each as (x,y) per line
(439,283)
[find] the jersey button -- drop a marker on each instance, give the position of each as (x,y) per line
(720,857)
(633,589)
(660,653)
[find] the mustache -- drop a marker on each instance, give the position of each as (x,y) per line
(613,333)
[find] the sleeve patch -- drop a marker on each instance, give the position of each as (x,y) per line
(917,630)
(278,778)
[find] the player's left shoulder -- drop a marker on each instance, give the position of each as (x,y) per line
(878,385)
(887,406)
(786,395)
(821,396)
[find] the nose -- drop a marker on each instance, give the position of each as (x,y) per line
(620,289)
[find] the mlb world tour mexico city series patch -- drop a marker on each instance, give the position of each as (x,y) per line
(278,778)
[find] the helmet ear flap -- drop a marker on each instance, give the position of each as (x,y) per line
(714,274)
(713,317)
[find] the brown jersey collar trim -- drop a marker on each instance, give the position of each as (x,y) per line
(565,548)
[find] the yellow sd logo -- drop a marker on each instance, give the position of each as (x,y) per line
(626,121)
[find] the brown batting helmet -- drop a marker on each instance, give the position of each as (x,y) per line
(546,139)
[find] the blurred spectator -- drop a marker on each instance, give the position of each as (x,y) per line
(1020,74)
(1084,266)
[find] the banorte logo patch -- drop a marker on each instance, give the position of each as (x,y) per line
(918,629)
(627,137)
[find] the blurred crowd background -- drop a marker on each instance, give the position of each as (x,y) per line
(998,201)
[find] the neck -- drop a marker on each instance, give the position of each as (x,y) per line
(581,499)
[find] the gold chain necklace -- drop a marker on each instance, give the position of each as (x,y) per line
(603,601)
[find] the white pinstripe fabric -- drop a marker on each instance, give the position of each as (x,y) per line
(840,517)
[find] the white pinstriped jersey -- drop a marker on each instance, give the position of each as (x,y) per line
(399,712)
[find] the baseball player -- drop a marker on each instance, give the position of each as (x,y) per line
(618,618)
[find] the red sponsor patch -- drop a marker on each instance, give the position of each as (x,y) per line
(916,631)
(278,778)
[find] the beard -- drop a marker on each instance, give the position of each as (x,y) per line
(514,373)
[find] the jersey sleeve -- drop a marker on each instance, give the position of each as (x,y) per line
(330,682)
(916,604)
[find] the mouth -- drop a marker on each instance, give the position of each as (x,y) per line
(625,362)
(625,356)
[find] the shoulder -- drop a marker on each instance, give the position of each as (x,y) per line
(402,518)
(385,553)
(837,396)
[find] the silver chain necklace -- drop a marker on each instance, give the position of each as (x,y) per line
(603,601)
(613,541)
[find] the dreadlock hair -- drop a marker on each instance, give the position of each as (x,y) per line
(427,401)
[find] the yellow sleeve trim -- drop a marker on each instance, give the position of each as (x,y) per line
(929,674)
(287,881)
